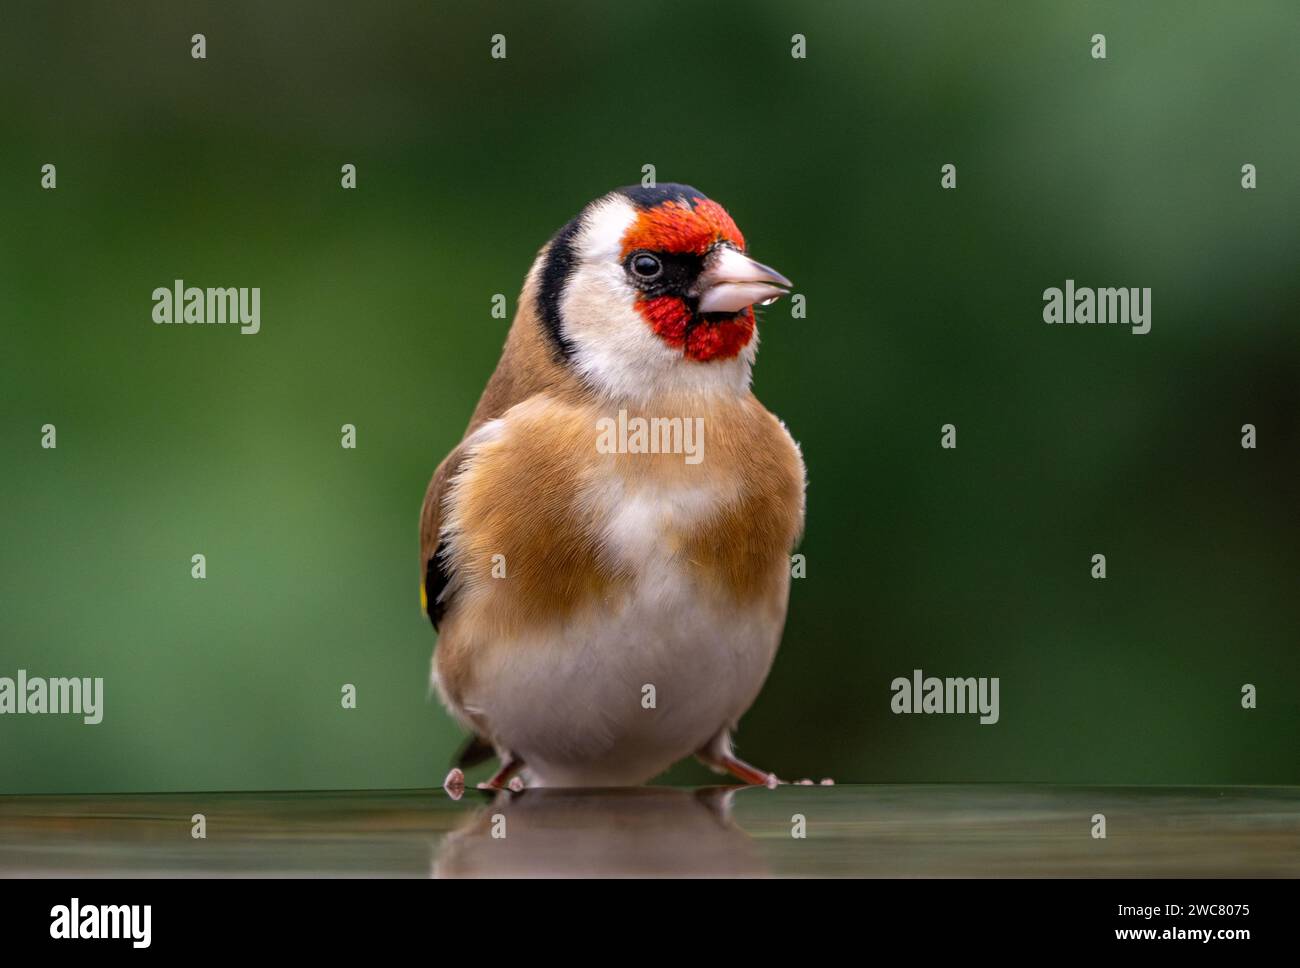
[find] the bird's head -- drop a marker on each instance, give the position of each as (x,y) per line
(651,290)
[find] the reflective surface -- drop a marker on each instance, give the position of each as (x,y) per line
(659,831)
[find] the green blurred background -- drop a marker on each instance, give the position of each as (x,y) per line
(924,307)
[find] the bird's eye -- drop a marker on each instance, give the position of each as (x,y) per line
(645,265)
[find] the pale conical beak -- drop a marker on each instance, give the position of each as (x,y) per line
(731,281)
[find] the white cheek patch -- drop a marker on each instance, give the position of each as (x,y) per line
(614,348)
(603,228)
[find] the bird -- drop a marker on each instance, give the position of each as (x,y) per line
(609,599)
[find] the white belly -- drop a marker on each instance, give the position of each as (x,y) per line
(615,696)
(617,699)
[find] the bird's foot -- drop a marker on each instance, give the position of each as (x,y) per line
(744,772)
(455,783)
(505,778)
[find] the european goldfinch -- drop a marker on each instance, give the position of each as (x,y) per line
(607,604)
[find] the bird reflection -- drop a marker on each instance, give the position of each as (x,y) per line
(624,832)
